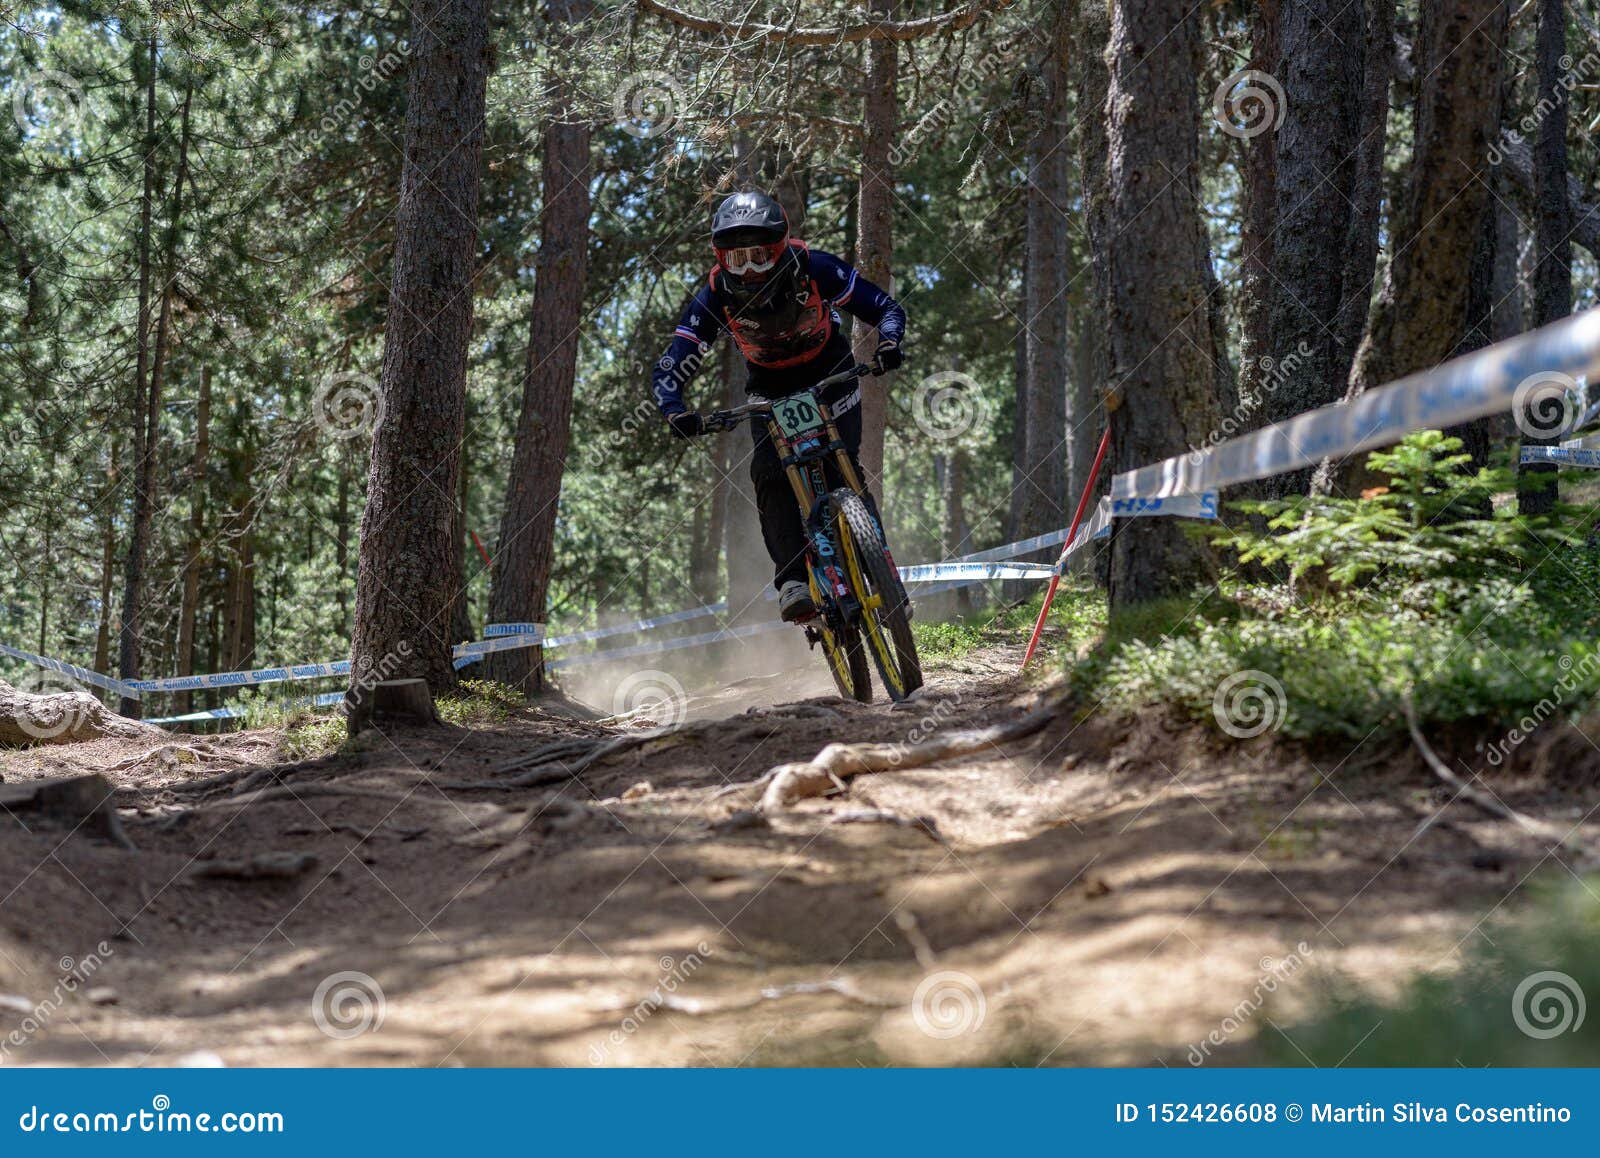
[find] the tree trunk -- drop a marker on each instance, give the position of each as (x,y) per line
(1552,269)
(1318,147)
(1420,315)
(1258,181)
(526,551)
(875,239)
(1361,249)
(1045,445)
(1160,325)
(402,619)
(198,489)
(143,473)
(108,562)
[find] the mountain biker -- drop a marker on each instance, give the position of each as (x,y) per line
(777,299)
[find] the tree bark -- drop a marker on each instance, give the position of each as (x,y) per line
(1421,314)
(143,473)
(526,550)
(1160,322)
(1317,148)
(1045,446)
(198,489)
(402,609)
(1361,249)
(1259,191)
(875,239)
(1552,269)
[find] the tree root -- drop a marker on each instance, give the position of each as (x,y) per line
(923,824)
(790,783)
(568,759)
(1542,830)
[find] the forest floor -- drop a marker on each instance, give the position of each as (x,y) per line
(1104,891)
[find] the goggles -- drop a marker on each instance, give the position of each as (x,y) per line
(747,259)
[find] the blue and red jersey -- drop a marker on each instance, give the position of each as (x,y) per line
(788,345)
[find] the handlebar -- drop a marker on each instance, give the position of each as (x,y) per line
(723,420)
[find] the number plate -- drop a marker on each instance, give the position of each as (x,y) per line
(797,416)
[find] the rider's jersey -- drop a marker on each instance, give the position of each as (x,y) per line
(787,346)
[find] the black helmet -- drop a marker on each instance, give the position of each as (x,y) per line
(748,219)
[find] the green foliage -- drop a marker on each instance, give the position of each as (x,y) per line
(1474,613)
(479,702)
(1435,520)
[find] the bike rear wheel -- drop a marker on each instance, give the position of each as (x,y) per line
(885,609)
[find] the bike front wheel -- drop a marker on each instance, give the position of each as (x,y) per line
(885,609)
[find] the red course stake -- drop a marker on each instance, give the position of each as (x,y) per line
(1077,518)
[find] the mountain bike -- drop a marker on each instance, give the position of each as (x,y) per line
(862,607)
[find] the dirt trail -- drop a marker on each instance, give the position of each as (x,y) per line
(1101,892)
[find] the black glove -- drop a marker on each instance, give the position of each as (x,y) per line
(687,424)
(890,356)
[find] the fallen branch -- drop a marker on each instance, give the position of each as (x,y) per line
(794,782)
(1487,801)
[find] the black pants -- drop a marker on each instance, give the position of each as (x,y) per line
(781,526)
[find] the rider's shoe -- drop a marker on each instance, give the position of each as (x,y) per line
(794,602)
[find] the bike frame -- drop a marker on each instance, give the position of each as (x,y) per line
(804,461)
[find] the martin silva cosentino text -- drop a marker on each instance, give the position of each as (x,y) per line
(1406,1113)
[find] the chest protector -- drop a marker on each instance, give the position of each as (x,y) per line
(782,323)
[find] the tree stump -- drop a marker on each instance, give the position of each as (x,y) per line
(404,701)
(80,801)
(65,717)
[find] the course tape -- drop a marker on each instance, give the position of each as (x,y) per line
(326,700)
(1203,506)
(81,674)
(1465,388)
(495,630)
(1569,456)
